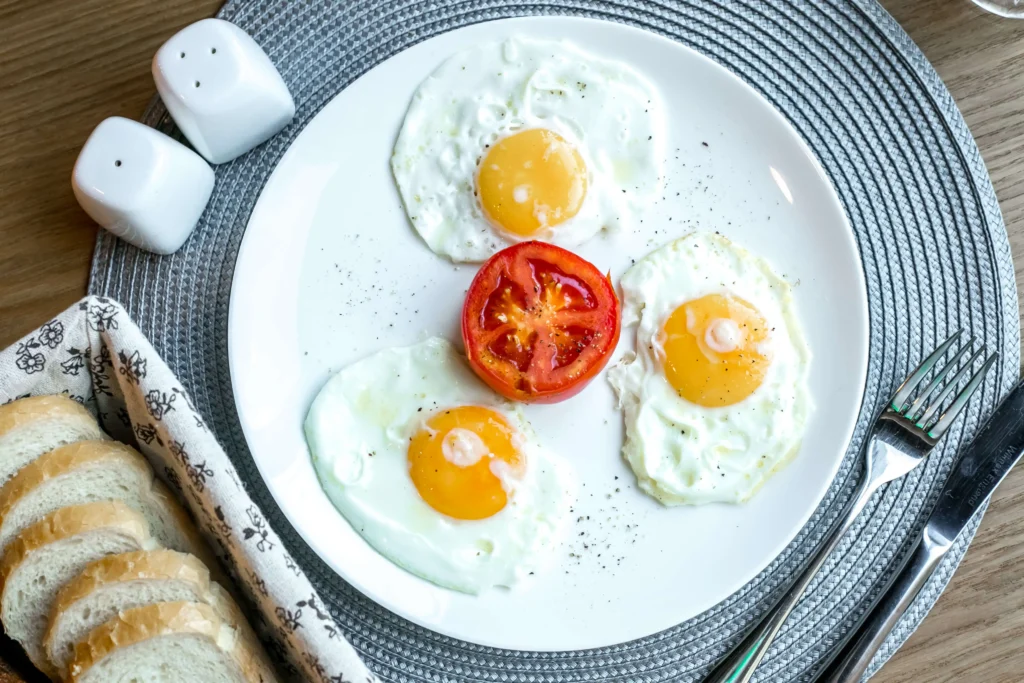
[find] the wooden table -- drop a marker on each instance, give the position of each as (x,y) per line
(64,67)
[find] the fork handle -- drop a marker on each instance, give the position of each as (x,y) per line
(854,659)
(739,666)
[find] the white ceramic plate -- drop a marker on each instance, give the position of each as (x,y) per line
(330,270)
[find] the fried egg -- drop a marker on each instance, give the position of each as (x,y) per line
(527,139)
(435,471)
(715,398)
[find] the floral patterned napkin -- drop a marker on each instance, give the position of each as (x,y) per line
(95,354)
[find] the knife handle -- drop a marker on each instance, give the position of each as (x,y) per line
(854,659)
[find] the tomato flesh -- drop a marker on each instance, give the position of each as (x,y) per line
(539,322)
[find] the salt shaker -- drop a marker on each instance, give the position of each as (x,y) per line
(221,89)
(141,185)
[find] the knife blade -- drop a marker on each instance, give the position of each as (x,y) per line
(983,465)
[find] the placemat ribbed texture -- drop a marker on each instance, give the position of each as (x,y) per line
(888,134)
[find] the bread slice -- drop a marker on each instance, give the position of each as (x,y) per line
(32,426)
(168,641)
(53,551)
(89,471)
(117,583)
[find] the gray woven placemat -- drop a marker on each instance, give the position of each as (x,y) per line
(935,254)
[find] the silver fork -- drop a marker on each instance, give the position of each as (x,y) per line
(903,436)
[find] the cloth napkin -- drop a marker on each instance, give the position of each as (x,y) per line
(95,354)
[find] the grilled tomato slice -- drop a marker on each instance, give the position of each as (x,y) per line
(539,322)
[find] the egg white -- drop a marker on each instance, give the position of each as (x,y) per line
(683,453)
(358,430)
(610,113)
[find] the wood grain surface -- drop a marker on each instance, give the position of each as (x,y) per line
(64,66)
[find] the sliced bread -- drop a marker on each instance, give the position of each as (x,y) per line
(35,425)
(117,583)
(89,471)
(53,551)
(186,642)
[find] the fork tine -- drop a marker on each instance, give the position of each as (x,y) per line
(907,388)
(919,403)
(951,386)
(958,405)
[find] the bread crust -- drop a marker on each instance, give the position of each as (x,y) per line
(199,547)
(56,406)
(142,623)
(163,564)
(159,564)
(66,523)
(140,565)
(256,665)
(152,621)
(60,461)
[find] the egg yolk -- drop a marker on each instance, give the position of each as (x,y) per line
(714,350)
(455,459)
(530,181)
